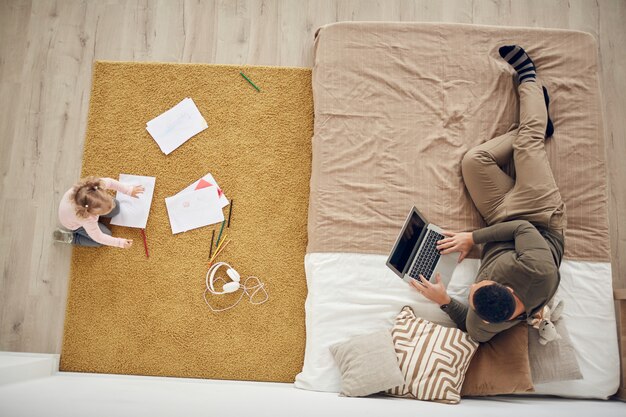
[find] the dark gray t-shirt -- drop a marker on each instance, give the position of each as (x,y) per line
(518,255)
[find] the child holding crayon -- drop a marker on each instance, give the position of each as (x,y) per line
(81,208)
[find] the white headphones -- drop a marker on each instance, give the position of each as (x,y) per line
(229,286)
(233,286)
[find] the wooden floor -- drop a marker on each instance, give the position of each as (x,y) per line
(47,49)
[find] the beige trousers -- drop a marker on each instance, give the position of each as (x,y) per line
(509,177)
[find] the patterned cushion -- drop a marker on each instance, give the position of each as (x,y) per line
(433,358)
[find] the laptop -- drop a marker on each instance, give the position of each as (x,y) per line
(415,251)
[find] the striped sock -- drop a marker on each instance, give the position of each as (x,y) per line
(520,61)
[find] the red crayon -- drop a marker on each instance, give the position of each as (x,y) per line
(145,242)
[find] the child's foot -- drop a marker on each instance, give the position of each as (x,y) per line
(63,236)
(520,61)
(550,126)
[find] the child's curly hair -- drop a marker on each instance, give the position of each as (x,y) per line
(89,195)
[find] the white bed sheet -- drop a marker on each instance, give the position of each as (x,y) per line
(351,294)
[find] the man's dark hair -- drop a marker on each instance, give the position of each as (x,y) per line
(494,303)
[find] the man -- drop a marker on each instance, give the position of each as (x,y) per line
(523,242)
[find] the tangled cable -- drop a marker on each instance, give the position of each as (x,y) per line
(250,290)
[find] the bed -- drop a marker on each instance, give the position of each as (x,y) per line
(396,107)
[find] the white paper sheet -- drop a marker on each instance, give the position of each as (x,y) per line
(134,211)
(194,209)
(207,181)
(177,125)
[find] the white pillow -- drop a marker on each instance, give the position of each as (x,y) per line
(368,364)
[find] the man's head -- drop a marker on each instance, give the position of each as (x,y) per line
(492,302)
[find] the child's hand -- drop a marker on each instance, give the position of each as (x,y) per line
(137,189)
(128,243)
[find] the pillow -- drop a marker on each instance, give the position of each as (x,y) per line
(501,365)
(433,358)
(367,364)
(556,361)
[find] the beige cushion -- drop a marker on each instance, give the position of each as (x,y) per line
(556,361)
(433,358)
(367,364)
(500,366)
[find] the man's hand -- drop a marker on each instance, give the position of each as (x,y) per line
(456,242)
(434,292)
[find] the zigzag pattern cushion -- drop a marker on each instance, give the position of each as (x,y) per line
(432,358)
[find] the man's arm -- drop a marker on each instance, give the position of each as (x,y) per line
(532,250)
(457,312)
(437,293)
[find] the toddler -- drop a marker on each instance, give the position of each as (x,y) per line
(83,205)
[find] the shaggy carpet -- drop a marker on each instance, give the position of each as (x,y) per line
(128,314)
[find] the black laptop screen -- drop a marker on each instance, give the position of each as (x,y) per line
(406,242)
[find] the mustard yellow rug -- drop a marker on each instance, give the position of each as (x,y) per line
(129,314)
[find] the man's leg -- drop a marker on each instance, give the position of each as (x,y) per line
(517,57)
(535,196)
(484,178)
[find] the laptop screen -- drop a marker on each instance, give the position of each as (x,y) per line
(406,243)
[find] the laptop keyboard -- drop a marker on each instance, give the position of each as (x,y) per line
(427,258)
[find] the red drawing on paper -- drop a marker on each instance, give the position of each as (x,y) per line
(204,184)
